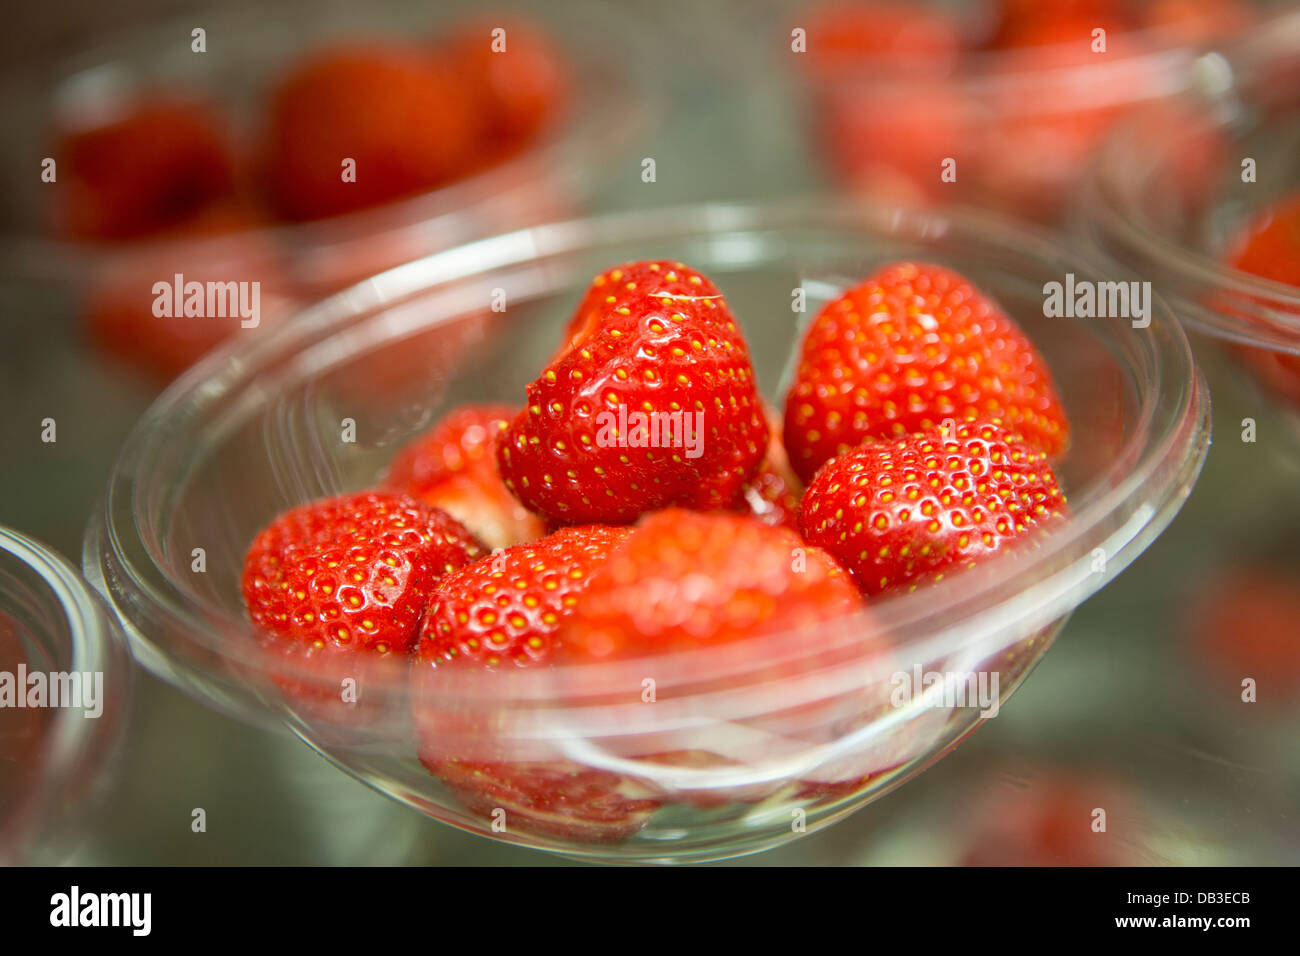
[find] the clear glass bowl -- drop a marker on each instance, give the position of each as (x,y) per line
(776,734)
(1166,199)
(53,760)
(1021,124)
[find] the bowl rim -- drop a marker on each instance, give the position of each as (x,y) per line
(75,745)
(1110,210)
(1148,487)
(613,107)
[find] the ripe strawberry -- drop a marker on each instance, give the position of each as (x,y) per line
(518,78)
(1194,22)
(907,511)
(1027,23)
(653,404)
(507,606)
(405,120)
(352,573)
(848,35)
(911,346)
(119,311)
(160,162)
(453,466)
(505,610)
(688,581)
(1269,246)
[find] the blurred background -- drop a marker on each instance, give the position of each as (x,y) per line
(1136,708)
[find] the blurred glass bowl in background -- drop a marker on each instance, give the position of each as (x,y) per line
(195,96)
(1172,194)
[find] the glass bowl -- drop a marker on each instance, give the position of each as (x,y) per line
(1018,125)
(1166,198)
(63,710)
(738,749)
(296,261)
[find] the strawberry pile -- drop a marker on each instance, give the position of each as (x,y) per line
(641,504)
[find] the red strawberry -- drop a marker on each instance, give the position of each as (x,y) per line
(907,511)
(453,466)
(507,606)
(120,311)
(1193,22)
(1270,245)
(557,799)
(687,581)
(653,404)
(352,573)
(873,33)
(505,610)
(911,346)
(1025,23)
(891,141)
(158,163)
(517,76)
(1045,817)
(407,122)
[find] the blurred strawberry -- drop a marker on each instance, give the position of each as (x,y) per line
(898,513)
(690,581)
(1048,820)
(891,141)
(408,123)
(1269,246)
(1026,23)
(849,35)
(131,311)
(911,346)
(1195,22)
(517,75)
(1245,622)
(453,466)
(156,164)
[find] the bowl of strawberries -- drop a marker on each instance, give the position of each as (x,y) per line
(660,536)
(1000,103)
(1203,200)
(295,155)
